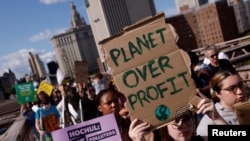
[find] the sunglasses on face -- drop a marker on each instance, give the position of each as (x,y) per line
(234,88)
(214,55)
(186,119)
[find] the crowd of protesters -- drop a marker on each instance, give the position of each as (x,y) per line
(218,84)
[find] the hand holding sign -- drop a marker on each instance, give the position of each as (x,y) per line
(206,106)
(138,129)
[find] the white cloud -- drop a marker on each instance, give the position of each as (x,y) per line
(47,56)
(48,2)
(18,61)
(46,34)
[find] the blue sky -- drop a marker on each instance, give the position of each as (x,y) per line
(27,26)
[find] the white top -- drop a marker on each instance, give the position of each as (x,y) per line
(221,55)
(229,116)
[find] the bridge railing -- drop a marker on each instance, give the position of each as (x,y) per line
(245,74)
(10,118)
(237,49)
(16,132)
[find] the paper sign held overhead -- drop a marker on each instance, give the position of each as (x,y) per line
(46,87)
(102,128)
(25,92)
(150,69)
(81,71)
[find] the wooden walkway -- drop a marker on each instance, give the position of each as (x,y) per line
(9,107)
(9,111)
(16,132)
(10,119)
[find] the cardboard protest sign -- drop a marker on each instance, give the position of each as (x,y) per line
(81,71)
(25,92)
(103,128)
(46,87)
(243,112)
(150,69)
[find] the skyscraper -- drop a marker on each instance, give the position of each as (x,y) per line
(184,6)
(37,66)
(241,12)
(215,23)
(233,2)
(210,24)
(75,44)
(109,17)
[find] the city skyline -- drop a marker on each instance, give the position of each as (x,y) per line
(28,27)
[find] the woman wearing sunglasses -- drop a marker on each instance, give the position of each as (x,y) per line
(182,128)
(227,89)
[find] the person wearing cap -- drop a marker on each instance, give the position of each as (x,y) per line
(182,128)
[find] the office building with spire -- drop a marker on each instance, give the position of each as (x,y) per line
(75,44)
(37,66)
(109,17)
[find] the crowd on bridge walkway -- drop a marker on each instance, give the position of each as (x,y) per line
(218,84)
